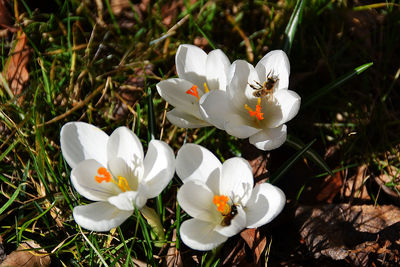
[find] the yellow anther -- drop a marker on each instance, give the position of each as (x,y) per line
(123,184)
(206,88)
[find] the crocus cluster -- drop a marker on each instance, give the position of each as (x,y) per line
(113,172)
(245,101)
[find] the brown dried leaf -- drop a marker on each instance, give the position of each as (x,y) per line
(354,187)
(15,70)
(392,176)
(258,160)
(359,234)
(255,241)
(5,17)
(27,255)
(173,256)
(170,11)
(330,187)
(118,5)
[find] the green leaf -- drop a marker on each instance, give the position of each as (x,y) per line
(289,163)
(291,28)
(310,154)
(153,219)
(339,81)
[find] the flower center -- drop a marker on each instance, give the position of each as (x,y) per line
(193,91)
(257,113)
(222,204)
(104,175)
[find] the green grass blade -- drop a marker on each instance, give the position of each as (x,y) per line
(310,154)
(339,81)
(289,163)
(291,28)
(5,153)
(11,200)
(93,247)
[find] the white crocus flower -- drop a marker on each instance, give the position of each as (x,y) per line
(113,171)
(257,102)
(198,73)
(221,198)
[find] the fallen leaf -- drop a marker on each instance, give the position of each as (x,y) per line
(361,235)
(15,70)
(389,182)
(5,17)
(330,187)
(173,257)
(258,160)
(354,187)
(28,254)
(255,241)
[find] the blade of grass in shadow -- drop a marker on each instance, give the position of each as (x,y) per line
(147,244)
(310,154)
(323,91)
(289,163)
(11,200)
(113,17)
(26,224)
(291,28)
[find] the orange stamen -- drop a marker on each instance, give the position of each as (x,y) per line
(257,112)
(222,204)
(104,175)
(193,91)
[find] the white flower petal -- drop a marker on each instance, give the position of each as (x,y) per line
(100,216)
(183,119)
(83,179)
(241,75)
(191,64)
(194,162)
(197,200)
(269,138)
(215,108)
(266,202)
(200,235)
(240,127)
(237,180)
(129,200)
(174,92)
(159,167)
(275,63)
(288,103)
(237,224)
(81,141)
(123,143)
(217,70)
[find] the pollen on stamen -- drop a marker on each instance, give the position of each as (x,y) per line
(257,113)
(222,204)
(104,175)
(193,91)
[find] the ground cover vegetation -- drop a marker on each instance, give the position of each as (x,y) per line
(99,62)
